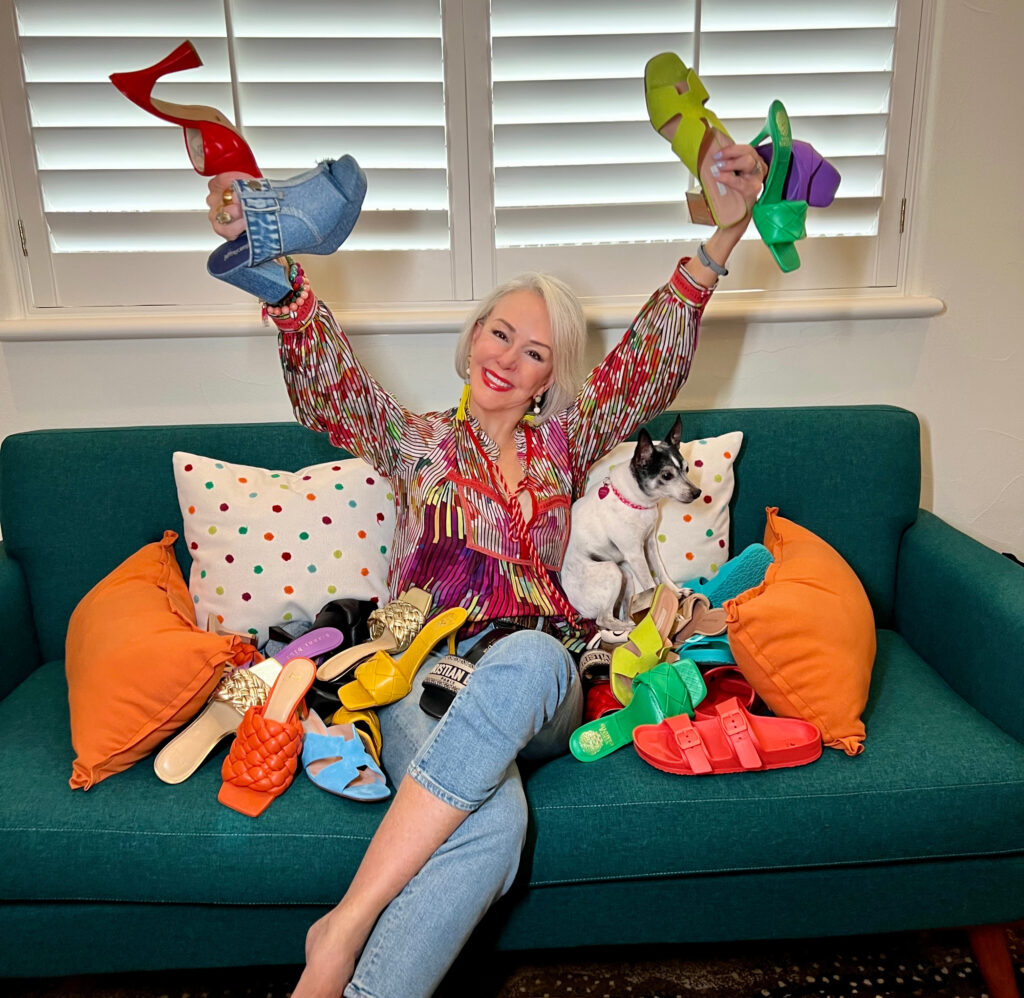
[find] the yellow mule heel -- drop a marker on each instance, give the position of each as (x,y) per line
(382,679)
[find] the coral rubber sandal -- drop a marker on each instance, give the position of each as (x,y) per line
(265,753)
(733,741)
(723,683)
(648,645)
(339,760)
(664,691)
(700,133)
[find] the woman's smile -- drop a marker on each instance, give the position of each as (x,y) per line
(494,382)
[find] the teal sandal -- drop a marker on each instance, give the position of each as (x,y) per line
(667,690)
(781,223)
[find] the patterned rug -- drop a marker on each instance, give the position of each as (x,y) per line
(924,965)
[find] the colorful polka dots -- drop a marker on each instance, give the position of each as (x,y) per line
(244,540)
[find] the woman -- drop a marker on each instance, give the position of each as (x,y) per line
(483,494)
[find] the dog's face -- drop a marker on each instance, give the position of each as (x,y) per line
(660,470)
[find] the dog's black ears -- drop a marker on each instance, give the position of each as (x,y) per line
(676,433)
(644,448)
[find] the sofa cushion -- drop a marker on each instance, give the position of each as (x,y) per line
(693,537)
(915,794)
(269,547)
(138,666)
(805,637)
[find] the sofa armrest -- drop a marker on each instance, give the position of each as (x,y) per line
(17,628)
(960,605)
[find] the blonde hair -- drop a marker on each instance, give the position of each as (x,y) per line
(568,335)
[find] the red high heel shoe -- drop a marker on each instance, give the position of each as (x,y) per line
(213,143)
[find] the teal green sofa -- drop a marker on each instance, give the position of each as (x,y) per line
(924,829)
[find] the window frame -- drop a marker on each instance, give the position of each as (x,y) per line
(475,265)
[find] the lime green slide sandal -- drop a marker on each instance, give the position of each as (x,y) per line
(699,135)
(781,223)
(667,690)
(648,644)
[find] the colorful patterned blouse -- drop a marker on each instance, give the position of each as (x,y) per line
(457,535)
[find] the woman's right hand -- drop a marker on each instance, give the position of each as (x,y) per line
(215,199)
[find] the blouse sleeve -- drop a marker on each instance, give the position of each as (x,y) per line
(640,376)
(331,392)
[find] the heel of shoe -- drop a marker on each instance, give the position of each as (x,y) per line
(229,262)
(137,85)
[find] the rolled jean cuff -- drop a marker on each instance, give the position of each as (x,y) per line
(441,793)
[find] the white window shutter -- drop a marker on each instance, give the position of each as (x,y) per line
(585,187)
(124,210)
(497,137)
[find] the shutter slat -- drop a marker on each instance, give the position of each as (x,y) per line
(636,183)
(666,221)
(82,105)
(182,18)
(180,231)
(734,97)
(635,142)
(162,147)
(184,190)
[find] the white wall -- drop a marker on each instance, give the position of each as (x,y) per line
(962,371)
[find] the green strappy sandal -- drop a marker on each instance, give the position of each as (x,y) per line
(667,690)
(780,223)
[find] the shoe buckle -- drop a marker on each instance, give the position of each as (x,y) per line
(734,722)
(688,738)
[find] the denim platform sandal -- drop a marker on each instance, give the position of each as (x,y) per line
(310,213)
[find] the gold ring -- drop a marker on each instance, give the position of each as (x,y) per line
(223,217)
(228,197)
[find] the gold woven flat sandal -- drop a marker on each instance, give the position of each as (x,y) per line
(392,628)
(237,691)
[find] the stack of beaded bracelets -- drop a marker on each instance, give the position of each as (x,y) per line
(297,280)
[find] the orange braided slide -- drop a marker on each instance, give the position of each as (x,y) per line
(265,753)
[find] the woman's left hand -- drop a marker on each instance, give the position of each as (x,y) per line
(741,169)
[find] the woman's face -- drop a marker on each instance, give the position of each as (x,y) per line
(510,358)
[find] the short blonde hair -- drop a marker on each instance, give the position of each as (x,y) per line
(568,335)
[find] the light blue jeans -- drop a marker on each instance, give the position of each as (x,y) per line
(523,699)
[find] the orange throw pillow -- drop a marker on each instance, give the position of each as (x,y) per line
(138,666)
(805,638)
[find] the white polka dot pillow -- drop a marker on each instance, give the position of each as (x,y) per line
(272,546)
(694,536)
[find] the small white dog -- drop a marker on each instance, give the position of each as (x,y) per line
(613,552)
